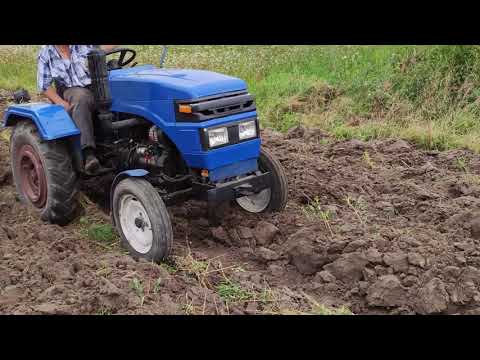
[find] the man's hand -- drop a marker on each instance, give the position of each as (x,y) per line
(67,106)
(53,96)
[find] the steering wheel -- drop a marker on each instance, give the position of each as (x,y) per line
(121,62)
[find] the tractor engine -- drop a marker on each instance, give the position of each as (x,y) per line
(143,148)
(150,156)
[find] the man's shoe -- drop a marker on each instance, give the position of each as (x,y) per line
(92,165)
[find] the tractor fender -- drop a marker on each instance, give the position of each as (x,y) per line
(52,121)
(120,177)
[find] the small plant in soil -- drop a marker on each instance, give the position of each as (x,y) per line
(137,286)
(170,267)
(320,309)
(232,292)
(104,311)
(462,164)
(196,268)
(314,210)
(358,206)
(157,286)
(368,160)
(189,309)
(104,270)
(266,296)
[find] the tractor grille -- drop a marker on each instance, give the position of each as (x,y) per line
(215,106)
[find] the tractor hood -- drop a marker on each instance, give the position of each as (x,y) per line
(147,83)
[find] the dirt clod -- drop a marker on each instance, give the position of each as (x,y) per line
(265,232)
(416,260)
(373,256)
(245,232)
(432,298)
(221,235)
(305,256)
(267,254)
(387,291)
(348,268)
(397,260)
(325,276)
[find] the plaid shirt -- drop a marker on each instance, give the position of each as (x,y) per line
(67,72)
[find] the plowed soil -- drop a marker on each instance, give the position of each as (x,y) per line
(378,227)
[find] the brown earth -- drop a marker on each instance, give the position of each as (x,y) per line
(378,227)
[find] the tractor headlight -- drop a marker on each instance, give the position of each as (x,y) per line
(247,130)
(217,137)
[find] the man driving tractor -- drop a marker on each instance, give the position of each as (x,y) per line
(167,135)
(64,79)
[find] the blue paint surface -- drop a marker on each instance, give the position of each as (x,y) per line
(149,83)
(236,169)
(52,121)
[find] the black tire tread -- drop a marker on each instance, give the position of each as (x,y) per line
(62,200)
(279,198)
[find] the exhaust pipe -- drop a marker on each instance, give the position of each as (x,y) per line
(123,124)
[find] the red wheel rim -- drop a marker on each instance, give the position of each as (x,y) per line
(32,176)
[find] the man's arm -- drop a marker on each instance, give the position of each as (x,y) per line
(44,83)
(53,96)
(108,47)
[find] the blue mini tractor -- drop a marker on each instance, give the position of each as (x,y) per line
(167,135)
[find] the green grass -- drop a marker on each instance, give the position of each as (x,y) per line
(103,234)
(170,268)
(426,94)
(232,292)
(314,210)
(17,67)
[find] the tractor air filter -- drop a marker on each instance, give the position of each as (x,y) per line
(97,65)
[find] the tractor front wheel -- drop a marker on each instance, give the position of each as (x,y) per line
(142,220)
(273,199)
(43,174)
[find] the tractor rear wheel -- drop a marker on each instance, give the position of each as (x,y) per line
(43,174)
(142,220)
(273,199)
